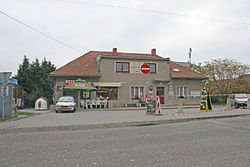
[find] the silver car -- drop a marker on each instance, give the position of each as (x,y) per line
(66,103)
(238,100)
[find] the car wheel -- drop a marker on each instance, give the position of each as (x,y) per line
(56,111)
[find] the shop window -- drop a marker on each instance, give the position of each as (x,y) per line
(137,92)
(152,67)
(122,67)
(107,92)
(182,92)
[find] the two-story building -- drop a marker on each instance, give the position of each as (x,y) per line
(117,75)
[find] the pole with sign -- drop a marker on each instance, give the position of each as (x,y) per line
(4,76)
(150,105)
(145,69)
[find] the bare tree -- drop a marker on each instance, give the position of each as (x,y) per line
(225,75)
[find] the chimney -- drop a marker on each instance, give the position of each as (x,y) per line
(114,51)
(153,52)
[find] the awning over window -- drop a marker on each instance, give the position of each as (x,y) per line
(107,84)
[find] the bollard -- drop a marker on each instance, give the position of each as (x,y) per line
(180,108)
(229,104)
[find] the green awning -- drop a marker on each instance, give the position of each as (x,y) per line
(79,85)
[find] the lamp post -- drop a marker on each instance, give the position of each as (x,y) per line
(190,56)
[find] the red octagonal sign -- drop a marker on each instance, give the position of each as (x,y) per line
(145,68)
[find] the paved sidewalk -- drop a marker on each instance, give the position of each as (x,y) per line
(94,117)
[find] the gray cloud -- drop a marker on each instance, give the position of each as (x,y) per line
(131,26)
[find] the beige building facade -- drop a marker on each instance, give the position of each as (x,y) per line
(118,77)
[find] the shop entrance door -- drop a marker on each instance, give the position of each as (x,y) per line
(160,92)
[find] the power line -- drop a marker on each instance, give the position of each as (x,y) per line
(168,13)
(40,32)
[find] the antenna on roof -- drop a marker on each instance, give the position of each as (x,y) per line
(190,55)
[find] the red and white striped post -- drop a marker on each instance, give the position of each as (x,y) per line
(158,105)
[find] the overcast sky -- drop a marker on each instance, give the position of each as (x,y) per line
(213,29)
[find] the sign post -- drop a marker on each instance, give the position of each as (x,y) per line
(4,76)
(150,104)
(145,69)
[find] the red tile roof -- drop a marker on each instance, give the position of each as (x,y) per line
(86,65)
(184,72)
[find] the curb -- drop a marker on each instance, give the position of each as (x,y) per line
(108,125)
(132,108)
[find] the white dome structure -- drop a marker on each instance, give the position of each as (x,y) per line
(41,104)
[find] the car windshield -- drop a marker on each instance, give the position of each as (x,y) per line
(241,96)
(66,99)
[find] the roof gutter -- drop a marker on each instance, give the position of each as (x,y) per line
(189,78)
(89,76)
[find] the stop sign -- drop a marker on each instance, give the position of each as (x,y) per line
(145,68)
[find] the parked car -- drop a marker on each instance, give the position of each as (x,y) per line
(238,100)
(66,103)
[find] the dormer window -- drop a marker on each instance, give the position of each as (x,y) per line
(176,70)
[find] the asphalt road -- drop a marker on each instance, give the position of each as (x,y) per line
(203,143)
(89,117)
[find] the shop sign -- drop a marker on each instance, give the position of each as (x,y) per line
(78,85)
(68,81)
(151,106)
(102,90)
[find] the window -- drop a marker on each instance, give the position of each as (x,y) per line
(122,67)
(182,92)
(152,67)
(110,92)
(175,69)
(137,92)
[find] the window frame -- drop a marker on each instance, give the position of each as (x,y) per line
(180,91)
(150,68)
(110,91)
(122,70)
(140,92)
